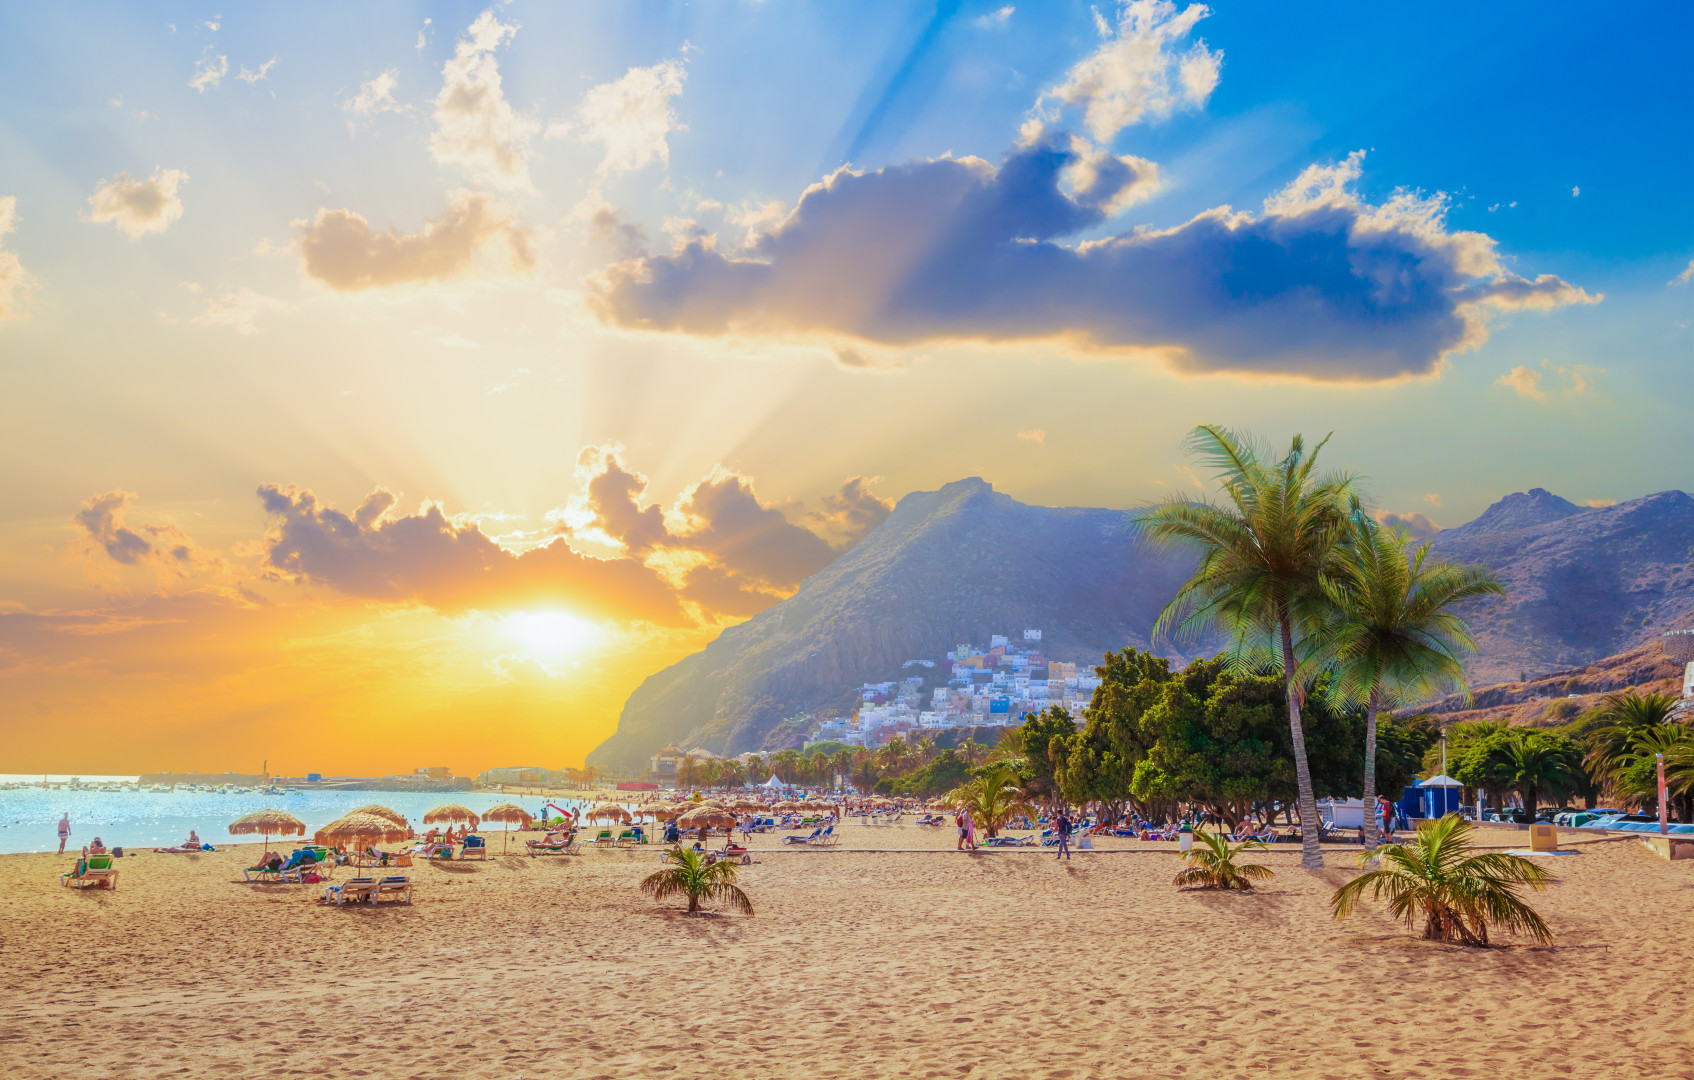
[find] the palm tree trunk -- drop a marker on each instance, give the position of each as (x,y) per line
(1529,794)
(1370,770)
(1311,855)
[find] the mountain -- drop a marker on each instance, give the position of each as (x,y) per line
(946,567)
(964,562)
(1559,696)
(1580,583)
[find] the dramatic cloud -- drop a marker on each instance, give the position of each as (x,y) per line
(426,558)
(240,309)
(475,126)
(1137,73)
(1419,526)
(630,117)
(340,249)
(376,96)
(163,547)
(210,71)
(13,279)
(1322,284)
(137,207)
(847,515)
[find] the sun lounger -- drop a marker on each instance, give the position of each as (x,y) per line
(93,870)
(261,874)
(475,847)
(827,838)
(803,839)
(563,846)
(398,889)
(351,891)
(605,837)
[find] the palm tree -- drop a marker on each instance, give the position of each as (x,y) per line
(1214,867)
(993,798)
(973,752)
(1389,635)
(1625,720)
(1537,762)
(1260,555)
(692,877)
(688,772)
(864,773)
(1458,894)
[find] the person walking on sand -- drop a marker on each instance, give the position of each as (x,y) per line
(959,821)
(64,831)
(970,830)
(1063,828)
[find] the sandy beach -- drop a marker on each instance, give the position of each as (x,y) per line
(857,964)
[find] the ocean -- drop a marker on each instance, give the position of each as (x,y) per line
(29,817)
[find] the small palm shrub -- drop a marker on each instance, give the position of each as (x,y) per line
(1458,894)
(1213,865)
(693,878)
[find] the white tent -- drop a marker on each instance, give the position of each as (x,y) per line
(773,783)
(1440,781)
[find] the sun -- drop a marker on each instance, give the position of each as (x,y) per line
(550,635)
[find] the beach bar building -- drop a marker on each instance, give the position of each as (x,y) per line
(1436,797)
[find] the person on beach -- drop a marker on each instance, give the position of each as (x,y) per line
(64,831)
(959,823)
(1385,811)
(1063,828)
(970,830)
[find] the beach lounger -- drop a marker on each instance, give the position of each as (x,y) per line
(351,891)
(566,846)
(605,837)
(803,839)
(262,874)
(827,838)
(93,870)
(475,847)
(398,889)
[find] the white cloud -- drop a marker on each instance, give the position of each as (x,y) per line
(340,249)
(376,96)
(1038,436)
(630,117)
(209,72)
(475,126)
(14,280)
(995,18)
(212,25)
(422,40)
(1684,277)
(137,207)
(240,309)
(1526,381)
(1578,380)
(260,74)
(1575,192)
(1137,73)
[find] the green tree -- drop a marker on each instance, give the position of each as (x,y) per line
(758,770)
(1212,865)
(1531,763)
(1027,751)
(817,769)
(688,772)
(1458,894)
(690,876)
(786,765)
(864,774)
(841,762)
(993,798)
(1259,556)
(946,771)
(1390,634)
(1626,726)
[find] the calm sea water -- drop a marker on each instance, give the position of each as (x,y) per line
(29,818)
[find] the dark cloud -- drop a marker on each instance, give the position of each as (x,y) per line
(425,557)
(851,512)
(164,546)
(751,540)
(1419,526)
(1320,284)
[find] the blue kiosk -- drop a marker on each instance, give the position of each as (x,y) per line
(1436,797)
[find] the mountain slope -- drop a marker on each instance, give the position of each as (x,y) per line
(964,562)
(947,567)
(1580,583)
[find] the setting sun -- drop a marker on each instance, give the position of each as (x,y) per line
(550,636)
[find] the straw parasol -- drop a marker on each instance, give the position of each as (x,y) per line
(450,813)
(361,829)
(381,812)
(708,817)
(609,810)
(266,822)
(508,813)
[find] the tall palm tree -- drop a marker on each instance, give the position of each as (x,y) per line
(1536,763)
(1389,634)
(1458,894)
(692,877)
(1260,555)
(993,798)
(1626,718)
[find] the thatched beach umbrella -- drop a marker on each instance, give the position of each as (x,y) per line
(507,813)
(266,822)
(706,817)
(360,829)
(609,810)
(381,812)
(450,813)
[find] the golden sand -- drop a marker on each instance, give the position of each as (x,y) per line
(882,964)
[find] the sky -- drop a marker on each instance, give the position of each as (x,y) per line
(390,386)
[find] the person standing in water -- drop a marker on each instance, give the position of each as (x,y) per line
(64,831)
